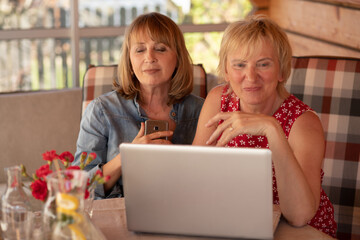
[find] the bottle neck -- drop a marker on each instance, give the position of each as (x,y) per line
(13,177)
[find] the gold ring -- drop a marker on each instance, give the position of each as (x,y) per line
(230,129)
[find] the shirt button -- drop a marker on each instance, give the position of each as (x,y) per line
(173,114)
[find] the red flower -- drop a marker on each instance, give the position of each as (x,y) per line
(43,171)
(87,194)
(68,175)
(73,168)
(92,155)
(39,189)
(99,173)
(66,157)
(83,157)
(50,155)
(15,183)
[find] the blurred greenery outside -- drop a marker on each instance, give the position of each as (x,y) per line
(203,48)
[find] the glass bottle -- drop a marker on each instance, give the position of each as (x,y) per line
(88,206)
(71,221)
(16,214)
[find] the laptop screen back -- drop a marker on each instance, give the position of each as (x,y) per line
(199,191)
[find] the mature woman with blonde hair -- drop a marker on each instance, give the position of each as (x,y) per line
(253,109)
(155,80)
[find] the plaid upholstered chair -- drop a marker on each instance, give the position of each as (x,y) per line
(331,86)
(98,80)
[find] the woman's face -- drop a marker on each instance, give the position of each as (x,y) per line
(153,62)
(254,78)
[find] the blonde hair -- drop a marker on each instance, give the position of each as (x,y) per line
(248,35)
(159,28)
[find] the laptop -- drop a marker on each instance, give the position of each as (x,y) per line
(198,190)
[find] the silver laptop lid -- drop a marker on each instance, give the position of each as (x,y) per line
(200,191)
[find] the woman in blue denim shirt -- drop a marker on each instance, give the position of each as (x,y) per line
(156,80)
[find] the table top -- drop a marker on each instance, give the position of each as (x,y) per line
(109,216)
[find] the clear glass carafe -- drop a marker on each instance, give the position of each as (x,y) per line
(16,213)
(71,221)
(49,211)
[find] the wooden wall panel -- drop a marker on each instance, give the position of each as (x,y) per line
(349,3)
(303,46)
(330,23)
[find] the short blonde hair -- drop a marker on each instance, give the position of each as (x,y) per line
(159,28)
(247,35)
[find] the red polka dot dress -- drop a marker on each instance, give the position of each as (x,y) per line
(286,115)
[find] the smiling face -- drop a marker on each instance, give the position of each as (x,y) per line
(254,78)
(152,62)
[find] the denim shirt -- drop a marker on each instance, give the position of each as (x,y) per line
(110,120)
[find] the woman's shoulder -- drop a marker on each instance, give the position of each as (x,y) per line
(111,102)
(299,112)
(112,97)
(108,96)
(295,106)
(213,99)
(215,94)
(217,91)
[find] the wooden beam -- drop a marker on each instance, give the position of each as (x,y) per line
(261,11)
(336,24)
(303,46)
(260,3)
(260,7)
(347,3)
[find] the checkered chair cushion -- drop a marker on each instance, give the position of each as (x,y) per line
(331,86)
(98,80)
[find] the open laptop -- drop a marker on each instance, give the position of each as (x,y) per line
(198,191)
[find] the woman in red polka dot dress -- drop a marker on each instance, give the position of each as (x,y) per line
(253,109)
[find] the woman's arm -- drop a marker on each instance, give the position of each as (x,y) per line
(298,162)
(210,108)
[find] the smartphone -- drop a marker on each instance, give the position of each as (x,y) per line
(152,126)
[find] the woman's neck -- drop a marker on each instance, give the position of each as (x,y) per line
(155,105)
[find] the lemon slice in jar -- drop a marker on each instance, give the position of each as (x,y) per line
(78,218)
(76,232)
(67,202)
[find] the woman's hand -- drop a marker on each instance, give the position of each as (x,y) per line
(113,167)
(236,123)
(153,138)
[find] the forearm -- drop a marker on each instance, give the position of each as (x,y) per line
(297,200)
(112,169)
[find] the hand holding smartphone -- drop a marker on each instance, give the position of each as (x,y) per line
(152,126)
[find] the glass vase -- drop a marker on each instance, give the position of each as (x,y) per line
(71,221)
(37,207)
(49,210)
(88,205)
(16,214)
